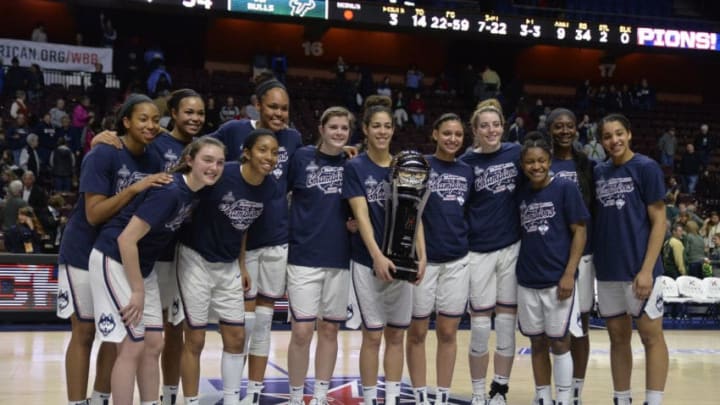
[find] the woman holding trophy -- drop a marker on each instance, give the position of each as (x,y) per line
(385,303)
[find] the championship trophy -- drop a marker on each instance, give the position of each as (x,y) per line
(404,204)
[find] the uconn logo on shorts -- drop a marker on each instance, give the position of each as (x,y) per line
(534,217)
(182,215)
(611,193)
(170,158)
(63,299)
(375,191)
(282,160)
(565,175)
(497,178)
(106,324)
(242,213)
(448,186)
(126,178)
(328,179)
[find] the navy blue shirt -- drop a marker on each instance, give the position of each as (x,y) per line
(567,169)
(224,213)
(107,171)
(363,178)
(545,219)
(271,229)
(621,224)
(318,234)
(163,208)
(444,221)
(493,218)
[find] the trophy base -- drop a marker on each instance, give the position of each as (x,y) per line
(405,269)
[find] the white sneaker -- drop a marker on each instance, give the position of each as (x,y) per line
(296,402)
(316,401)
(252,398)
(478,400)
(497,399)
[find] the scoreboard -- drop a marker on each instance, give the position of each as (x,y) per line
(391,15)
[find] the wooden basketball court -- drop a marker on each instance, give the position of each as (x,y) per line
(32,371)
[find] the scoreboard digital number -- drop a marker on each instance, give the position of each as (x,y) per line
(400,15)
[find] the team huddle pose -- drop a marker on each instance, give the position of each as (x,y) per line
(173,232)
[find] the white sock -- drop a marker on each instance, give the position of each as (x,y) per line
(231,368)
(249,325)
(577,387)
(169,394)
(392,392)
(370,395)
(622,397)
(544,392)
(99,398)
(296,393)
(321,388)
(420,394)
(653,397)
(192,400)
(563,371)
(253,388)
(478,387)
(501,379)
(442,395)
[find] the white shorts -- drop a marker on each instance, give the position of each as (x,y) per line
(586,284)
(492,278)
(381,303)
(205,285)
(318,292)
(444,288)
(541,313)
(616,298)
(267,267)
(111,292)
(74,293)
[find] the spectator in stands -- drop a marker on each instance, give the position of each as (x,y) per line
(645,95)
(19,106)
(594,150)
(704,143)
(674,253)
(212,116)
(98,82)
(15,77)
(12,203)
(628,98)
(671,210)
(35,84)
(673,187)
(88,134)
(586,130)
(400,114)
(491,82)
(340,68)
(25,236)
(229,110)
(417,110)
(516,132)
(38,33)
(413,79)
(694,249)
(691,166)
(279,65)
(250,111)
(46,133)
(383,88)
(108,31)
(158,81)
(58,112)
(710,227)
(64,130)
(614,100)
(667,144)
(56,221)
(80,119)
(691,209)
(32,193)
(714,255)
(584,94)
(16,135)
(62,166)
(6,177)
(29,158)
(601,100)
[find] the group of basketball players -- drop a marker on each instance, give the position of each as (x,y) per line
(505,232)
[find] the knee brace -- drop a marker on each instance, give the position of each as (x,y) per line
(479,335)
(505,334)
(260,339)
